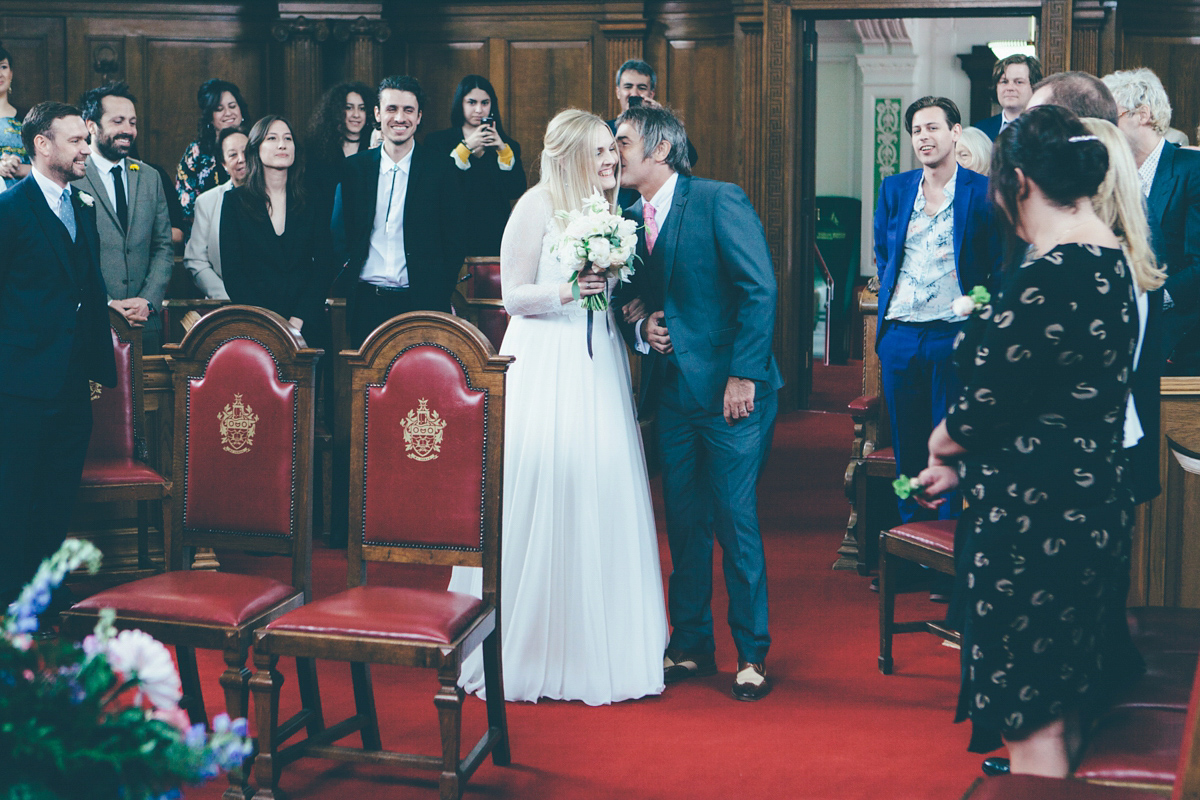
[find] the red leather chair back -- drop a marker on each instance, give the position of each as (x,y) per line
(424,454)
(113,413)
(493,322)
(1187,773)
(241,439)
(485,278)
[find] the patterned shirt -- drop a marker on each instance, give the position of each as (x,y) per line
(928,279)
(1149,167)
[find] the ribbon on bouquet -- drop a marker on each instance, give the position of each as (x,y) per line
(593,303)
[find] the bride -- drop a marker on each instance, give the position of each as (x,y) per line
(582,612)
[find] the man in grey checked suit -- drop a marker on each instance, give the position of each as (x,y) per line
(136,253)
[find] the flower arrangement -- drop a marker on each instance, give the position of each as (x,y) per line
(99,720)
(594,235)
(971,302)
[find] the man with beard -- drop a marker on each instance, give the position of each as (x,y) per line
(136,253)
(53,338)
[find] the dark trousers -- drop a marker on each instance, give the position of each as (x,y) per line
(372,306)
(710,483)
(919,384)
(42,447)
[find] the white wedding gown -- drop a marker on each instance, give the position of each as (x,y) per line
(582,611)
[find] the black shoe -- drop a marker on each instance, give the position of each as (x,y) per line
(995,766)
(751,682)
(678,665)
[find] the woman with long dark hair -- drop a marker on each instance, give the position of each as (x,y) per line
(14,161)
(488,161)
(1036,440)
(272,253)
(221,106)
(337,130)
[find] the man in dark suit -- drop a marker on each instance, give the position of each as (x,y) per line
(707,293)
(399,213)
(934,241)
(1013,79)
(54,338)
(1170,177)
(136,252)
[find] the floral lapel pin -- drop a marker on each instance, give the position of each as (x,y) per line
(134,167)
(86,199)
(971,302)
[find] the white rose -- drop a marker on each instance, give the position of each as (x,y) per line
(600,252)
(963,306)
(138,655)
(629,242)
(627,228)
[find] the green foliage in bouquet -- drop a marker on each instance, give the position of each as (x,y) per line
(98,720)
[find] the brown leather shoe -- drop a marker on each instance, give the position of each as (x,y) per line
(678,665)
(751,681)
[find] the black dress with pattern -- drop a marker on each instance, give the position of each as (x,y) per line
(1045,540)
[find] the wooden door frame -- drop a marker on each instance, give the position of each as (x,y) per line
(788,212)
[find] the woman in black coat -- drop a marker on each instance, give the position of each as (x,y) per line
(272,253)
(488,161)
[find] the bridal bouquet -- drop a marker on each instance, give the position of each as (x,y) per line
(594,235)
(102,719)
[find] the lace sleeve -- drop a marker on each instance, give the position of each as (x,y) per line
(520,252)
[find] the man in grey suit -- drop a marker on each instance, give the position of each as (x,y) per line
(136,253)
(701,308)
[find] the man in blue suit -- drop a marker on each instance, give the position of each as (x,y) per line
(933,243)
(705,322)
(54,338)
(1013,79)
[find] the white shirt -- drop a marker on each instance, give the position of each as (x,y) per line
(662,202)
(1149,167)
(51,190)
(386,263)
(104,167)
(1005,121)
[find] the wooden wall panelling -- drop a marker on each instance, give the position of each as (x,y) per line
(620,45)
(439,66)
(750,118)
(300,79)
(1176,60)
(37,46)
(551,76)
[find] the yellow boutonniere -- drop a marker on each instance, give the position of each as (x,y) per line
(134,167)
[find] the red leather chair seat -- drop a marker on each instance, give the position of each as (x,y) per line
(1135,745)
(1167,683)
(864,404)
(936,535)
(218,598)
(1031,787)
(882,454)
(1165,629)
(118,472)
(385,612)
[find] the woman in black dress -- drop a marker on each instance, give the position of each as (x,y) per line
(488,160)
(272,253)
(1036,441)
(338,129)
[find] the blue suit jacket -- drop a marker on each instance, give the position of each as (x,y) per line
(711,273)
(45,303)
(991,126)
(977,248)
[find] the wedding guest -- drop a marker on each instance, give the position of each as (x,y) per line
(273,254)
(14,161)
(221,106)
(202,256)
(582,615)
(1035,439)
(973,150)
(488,161)
(337,130)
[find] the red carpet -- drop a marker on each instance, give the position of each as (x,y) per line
(833,729)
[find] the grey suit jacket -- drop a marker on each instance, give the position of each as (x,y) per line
(711,273)
(202,256)
(137,262)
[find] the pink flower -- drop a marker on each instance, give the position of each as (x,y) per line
(173,716)
(136,655)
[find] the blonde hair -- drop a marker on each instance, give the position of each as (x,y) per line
(568,170)
(1119,203)
(979,147)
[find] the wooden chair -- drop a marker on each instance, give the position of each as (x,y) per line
(243,462)
(872,466)
(427,457)
(929,544)
(480,299)
(116,468)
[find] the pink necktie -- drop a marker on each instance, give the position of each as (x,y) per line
(651,227)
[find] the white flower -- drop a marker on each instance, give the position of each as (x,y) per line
(600,252)
(136,655)
(963,306)
(87,199)
(627,228)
